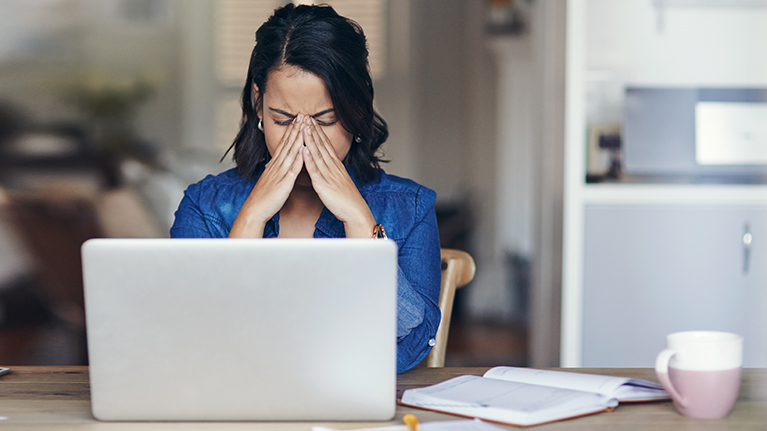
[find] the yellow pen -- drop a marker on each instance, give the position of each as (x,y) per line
(411,421)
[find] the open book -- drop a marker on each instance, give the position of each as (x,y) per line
(459,425)
(526,396)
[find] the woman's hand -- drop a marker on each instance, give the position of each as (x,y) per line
(273,188)
(333,185)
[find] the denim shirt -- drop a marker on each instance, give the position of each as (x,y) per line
(405,209)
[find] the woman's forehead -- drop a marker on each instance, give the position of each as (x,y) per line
(295,90)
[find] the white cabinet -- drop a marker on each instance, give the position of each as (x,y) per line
(645,259)
(650,270)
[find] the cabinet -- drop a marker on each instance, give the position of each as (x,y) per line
(650,270)
(651,256)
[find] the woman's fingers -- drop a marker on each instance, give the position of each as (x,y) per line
(281,172)
(288,141)
(322,143)
(293,160)
(311,164)
(311,156)
(287,162)
(328,173)
(322,153)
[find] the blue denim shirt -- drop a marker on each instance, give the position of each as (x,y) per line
(404,208)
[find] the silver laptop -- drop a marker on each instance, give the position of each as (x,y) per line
(220,329)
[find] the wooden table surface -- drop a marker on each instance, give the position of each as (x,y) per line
(50,398)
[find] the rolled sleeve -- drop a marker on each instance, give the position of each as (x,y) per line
(418,288)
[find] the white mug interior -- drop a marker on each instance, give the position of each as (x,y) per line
(705,350)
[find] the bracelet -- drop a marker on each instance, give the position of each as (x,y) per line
(379,232)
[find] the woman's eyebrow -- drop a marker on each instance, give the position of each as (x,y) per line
(319,114)
(280,111)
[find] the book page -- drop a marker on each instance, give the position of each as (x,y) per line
(638,390)
(622,388)
(506,401)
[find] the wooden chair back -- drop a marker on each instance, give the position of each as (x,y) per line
(458,269)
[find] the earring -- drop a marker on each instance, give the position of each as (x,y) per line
(358,139)
(260,125)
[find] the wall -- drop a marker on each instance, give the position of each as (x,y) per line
(550,48)
(677,45)
(644,43)
(439,46)
(454,132)
(473,126)
(510,162)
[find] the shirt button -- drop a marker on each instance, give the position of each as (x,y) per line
(432,342)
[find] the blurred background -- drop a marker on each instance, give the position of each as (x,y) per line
(532,119)
(110,108)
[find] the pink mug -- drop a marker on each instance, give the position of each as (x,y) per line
(701,371)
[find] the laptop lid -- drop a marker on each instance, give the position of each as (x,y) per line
(221,329)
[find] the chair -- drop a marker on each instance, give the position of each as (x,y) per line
(458,270)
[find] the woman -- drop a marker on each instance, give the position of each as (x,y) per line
(306,164)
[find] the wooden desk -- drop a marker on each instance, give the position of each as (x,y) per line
(50,398)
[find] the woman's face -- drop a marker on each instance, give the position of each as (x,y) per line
(292,91)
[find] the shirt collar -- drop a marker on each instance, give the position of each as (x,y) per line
(327,226)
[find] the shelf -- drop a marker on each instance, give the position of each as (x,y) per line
(675,194)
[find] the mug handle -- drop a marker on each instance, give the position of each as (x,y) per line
(661,370)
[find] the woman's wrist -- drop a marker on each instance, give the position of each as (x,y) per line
(361,228)
(243,228)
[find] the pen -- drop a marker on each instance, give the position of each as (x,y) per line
(411,421)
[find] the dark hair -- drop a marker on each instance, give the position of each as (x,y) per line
(318,40)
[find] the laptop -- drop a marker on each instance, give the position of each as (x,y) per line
(241,329)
